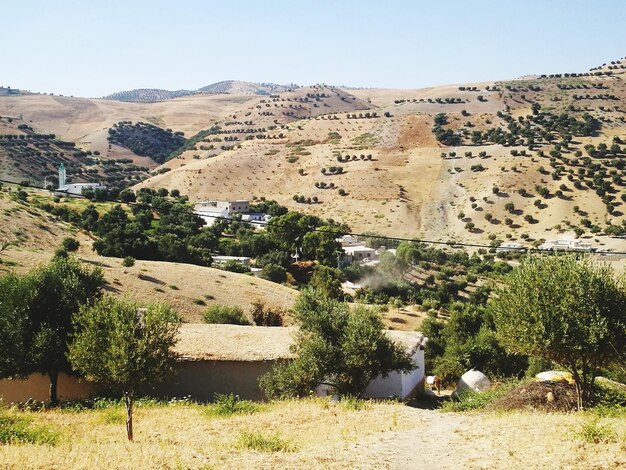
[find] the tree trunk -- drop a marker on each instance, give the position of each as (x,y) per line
(579,389)
(128,401)
(54,378)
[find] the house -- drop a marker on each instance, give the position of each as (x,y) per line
(219,260)
(510,246)
(76,189)
(221,208)
(229,359)
(359,254)
(232,359)
(211,210)
(567,245)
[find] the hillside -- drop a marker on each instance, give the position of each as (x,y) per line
(235,87)
(527,159)
(35,234)
(147,95)
(400,176)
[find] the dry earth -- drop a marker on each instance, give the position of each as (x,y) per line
(323,435)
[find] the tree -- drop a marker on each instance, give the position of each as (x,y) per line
(566,310)
(274,272)
(124,347)
(345,348)
(36,312)
(327,281)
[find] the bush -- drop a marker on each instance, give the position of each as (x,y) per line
(593,432)
(17,430)
(128,262)
(262,316)
(224,314)
(274,272)
(228,405)
(70,244)
(259,442)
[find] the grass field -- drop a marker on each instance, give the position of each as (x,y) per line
(316,433)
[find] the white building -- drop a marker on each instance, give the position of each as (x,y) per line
(221,208)
(211,210)
(75,189)
(359,254)
(510,246)
(567,245)
(219,260)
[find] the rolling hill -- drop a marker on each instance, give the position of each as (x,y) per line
(526,159)
(235,87)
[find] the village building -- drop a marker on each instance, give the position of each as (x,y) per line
(567,245)
(209,211)
(230,359)
(219,260)
(74,189)
(510,246)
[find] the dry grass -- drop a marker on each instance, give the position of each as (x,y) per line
(317,433)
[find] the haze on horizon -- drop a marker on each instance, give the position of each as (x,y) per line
(93,49)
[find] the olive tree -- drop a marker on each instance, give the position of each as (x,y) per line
(338,346)
(124,347)
(567,310)
(36,312)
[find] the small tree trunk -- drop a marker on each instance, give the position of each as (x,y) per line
(54,378)
(579,389)
(128,401)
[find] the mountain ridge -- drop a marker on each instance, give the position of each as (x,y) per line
(150,95)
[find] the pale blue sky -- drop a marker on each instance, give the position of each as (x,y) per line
(93,47)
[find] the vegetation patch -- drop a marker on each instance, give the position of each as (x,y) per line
(230,404)
(18,430)
(146,139)
(225,314)
(265,443)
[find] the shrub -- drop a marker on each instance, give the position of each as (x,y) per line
(259,442)
(224,314)
(593,432)
(70,244)
(274,272)
(228,405)
(263,316)
(128,262)
(17,430)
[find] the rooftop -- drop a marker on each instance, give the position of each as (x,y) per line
(205,342)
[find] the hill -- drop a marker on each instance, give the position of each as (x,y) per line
(35,234)
(148,95)
(520,163)
(235,87)
(521,160)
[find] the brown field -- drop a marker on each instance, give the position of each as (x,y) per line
(319,434)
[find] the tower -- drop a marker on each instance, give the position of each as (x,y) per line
(61,176)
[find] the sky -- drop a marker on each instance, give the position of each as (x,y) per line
(94,48)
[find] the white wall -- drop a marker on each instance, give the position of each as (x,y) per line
(396,384)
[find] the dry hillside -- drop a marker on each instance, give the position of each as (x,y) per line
(396,176)
(189,289)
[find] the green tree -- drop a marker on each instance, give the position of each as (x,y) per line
(125,347)
(36,312)
(274,272)
(566,310)
(327,281)
(336,345)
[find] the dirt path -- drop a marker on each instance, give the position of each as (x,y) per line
(484,441)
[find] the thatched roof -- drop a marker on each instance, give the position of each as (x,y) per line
(204,342)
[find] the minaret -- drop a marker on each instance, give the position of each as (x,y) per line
(61,176)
